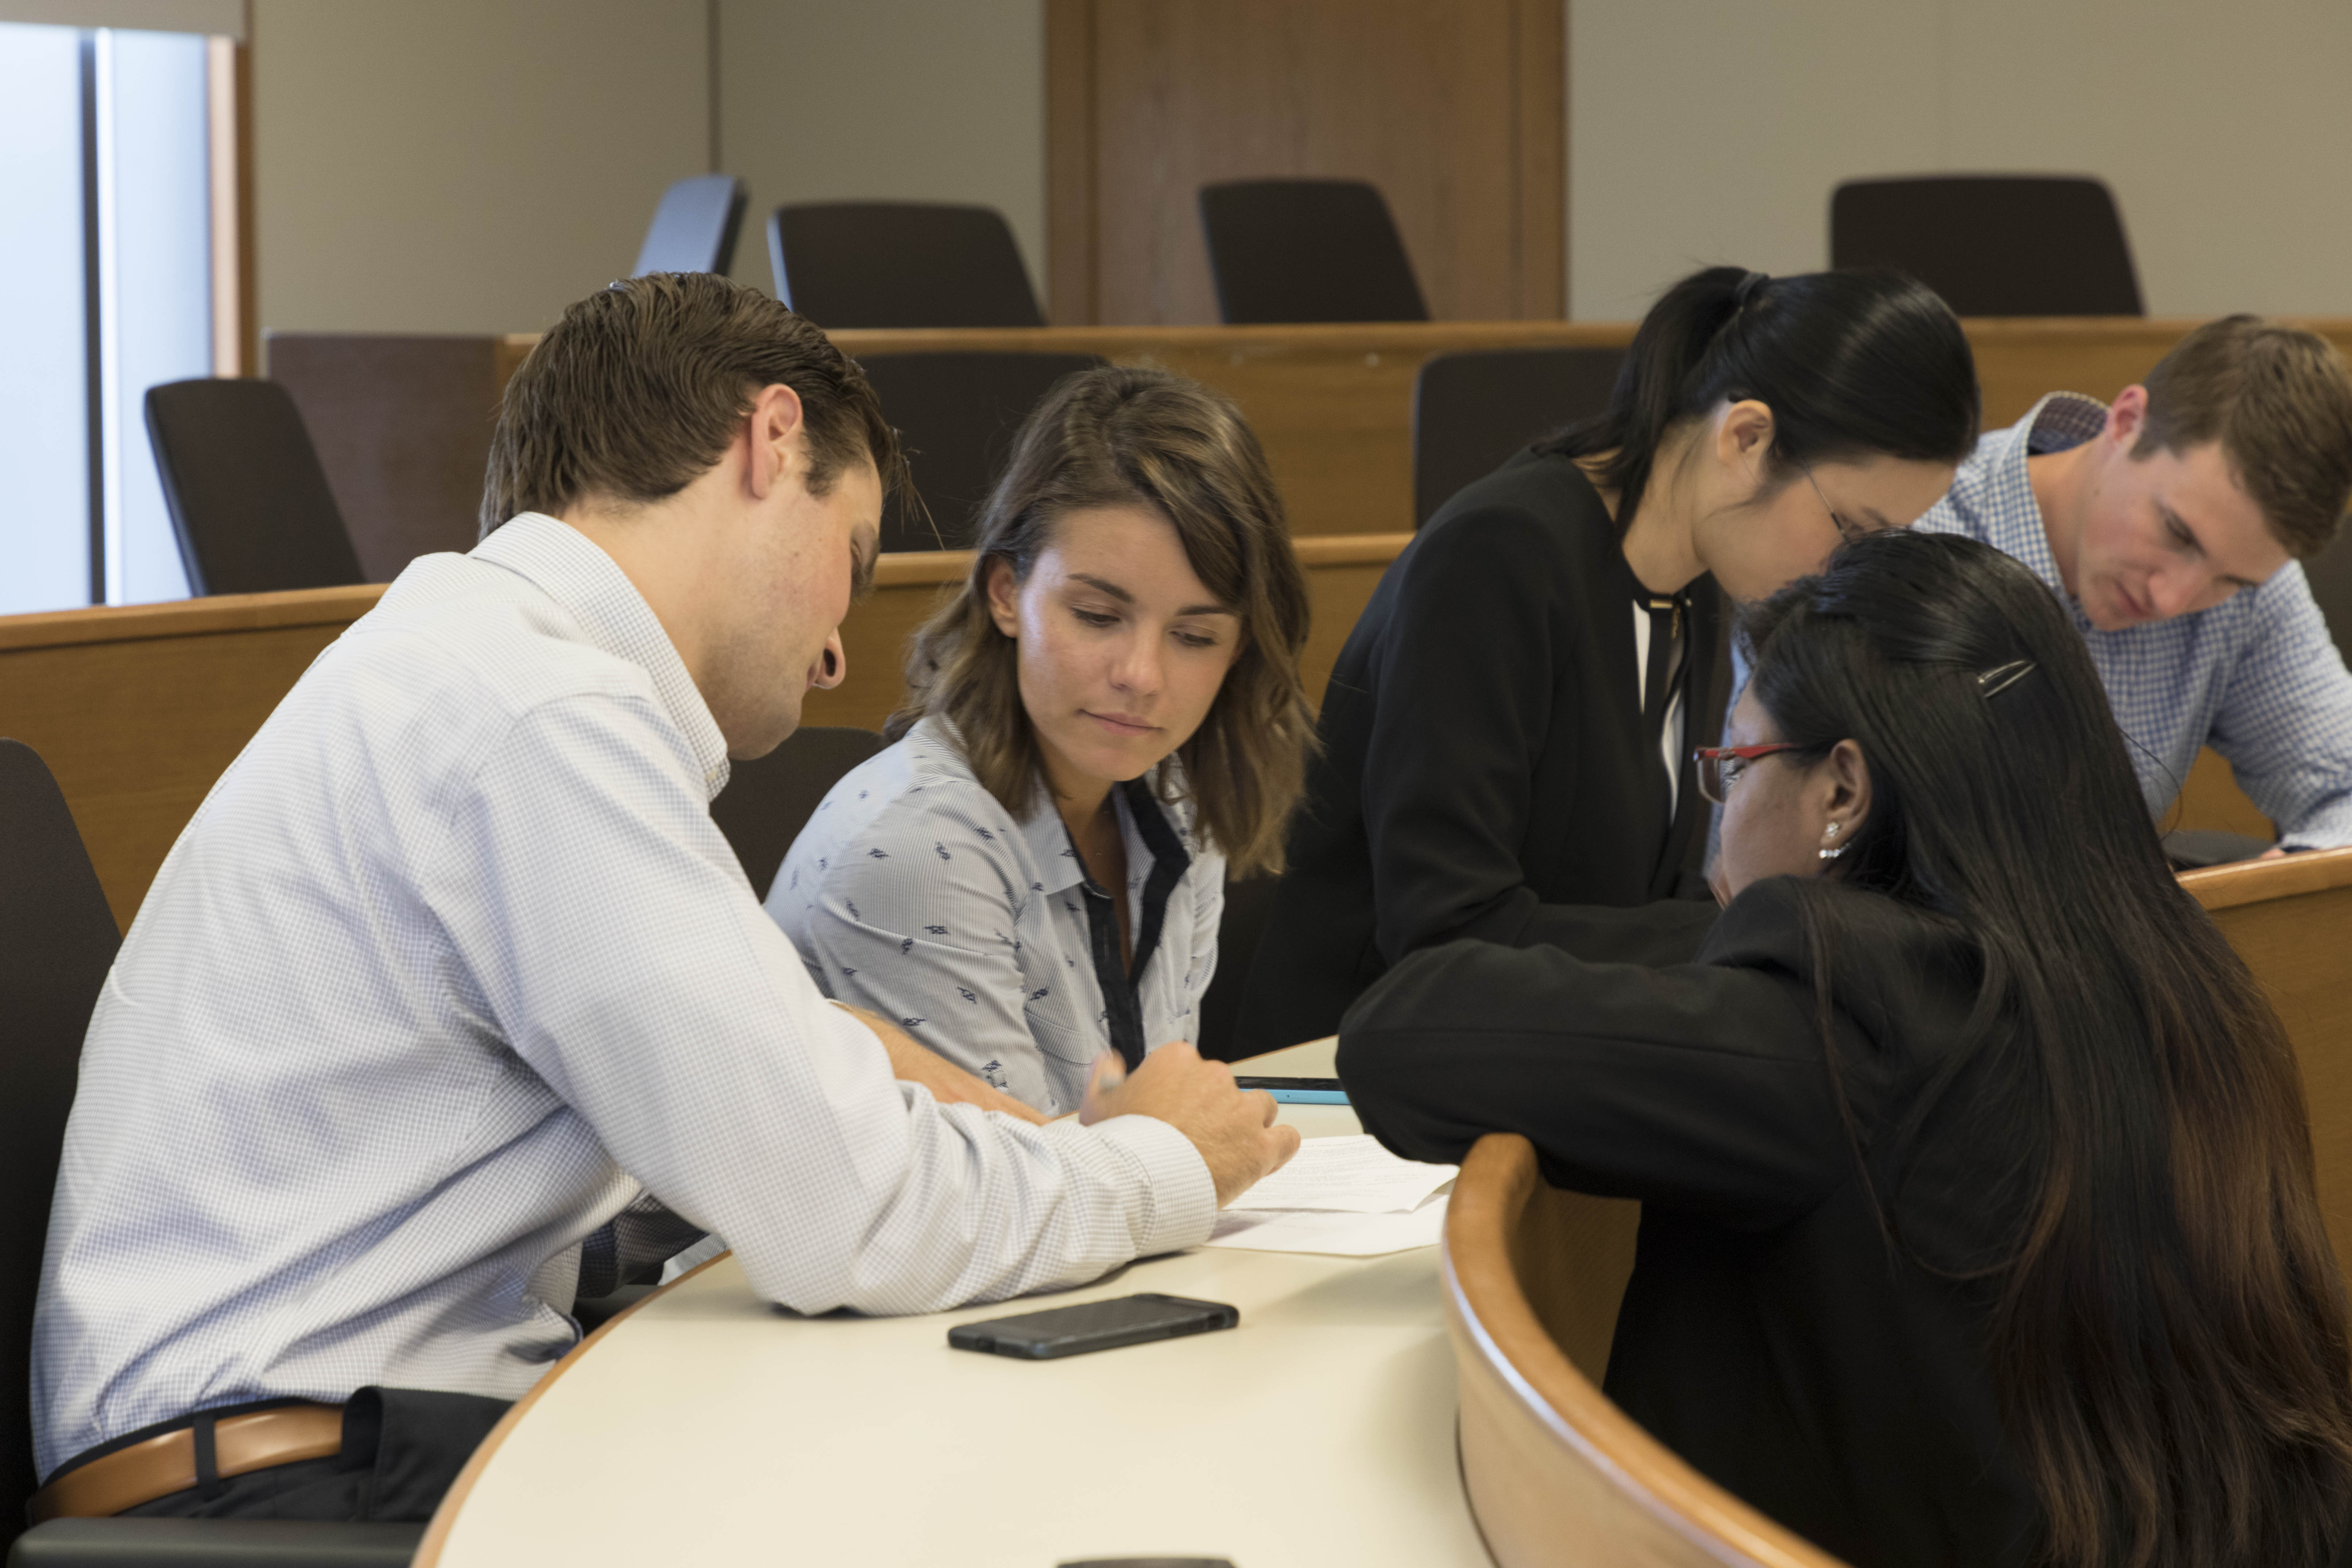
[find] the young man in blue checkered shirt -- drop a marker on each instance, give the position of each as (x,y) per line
(2173,522)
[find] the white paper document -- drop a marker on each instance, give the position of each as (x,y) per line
(1337,1235)
(1347,1175)
(1348,1197)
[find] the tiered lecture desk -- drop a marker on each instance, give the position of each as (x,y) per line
(706,1426)
(138,710)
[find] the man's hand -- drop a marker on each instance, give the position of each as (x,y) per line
(949,1084)
(1236,1133)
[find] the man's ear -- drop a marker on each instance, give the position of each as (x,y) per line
(779,440)
(2128,416)
(1004,596)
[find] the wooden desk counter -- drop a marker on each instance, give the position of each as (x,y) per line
(138,708)
(1332,404)
(709,1428)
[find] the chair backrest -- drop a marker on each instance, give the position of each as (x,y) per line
(56,939)
(249,502)
(2288,919)
(1306,250)
(2330,575)
(1993,245)
(1555,1472)
(767,802)
(1471,411)
(957,414)
(1249,904)
(900,264)
(694,229)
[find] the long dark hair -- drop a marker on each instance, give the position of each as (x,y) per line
(2168,1338)
(1851,363)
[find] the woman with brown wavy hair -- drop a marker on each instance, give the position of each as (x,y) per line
(1106,716)
(1978,1224)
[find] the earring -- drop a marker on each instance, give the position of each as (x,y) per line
(1832,854)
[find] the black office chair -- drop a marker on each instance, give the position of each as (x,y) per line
(1249,903)
(694,229)
(249,502)
(900,264)
(1993,245)
(1306,250)
(767,802)
(56,941)
(957,414)
(1471,411)
(2330,574)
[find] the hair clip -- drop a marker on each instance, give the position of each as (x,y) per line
(2001,678)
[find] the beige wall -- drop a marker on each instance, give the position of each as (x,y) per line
(473,166)
(891,99)
(461,165)
(1704,130)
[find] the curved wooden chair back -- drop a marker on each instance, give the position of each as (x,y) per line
(1556,1474)
(2291,920)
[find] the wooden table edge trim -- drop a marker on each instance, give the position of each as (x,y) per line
(1474,1263)
(2254,882)
(188,617)
(445,1518)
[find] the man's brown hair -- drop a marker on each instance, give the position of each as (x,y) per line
(1119,437)
(642,386)
(2279,400)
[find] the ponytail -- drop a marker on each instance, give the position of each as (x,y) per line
(1851,363)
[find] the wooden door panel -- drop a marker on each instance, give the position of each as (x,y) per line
(1454,109)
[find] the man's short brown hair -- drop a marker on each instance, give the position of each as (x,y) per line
(2279,400)
(642,386)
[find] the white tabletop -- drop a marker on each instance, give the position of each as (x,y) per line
(710,1427)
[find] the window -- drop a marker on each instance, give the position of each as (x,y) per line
(109,173)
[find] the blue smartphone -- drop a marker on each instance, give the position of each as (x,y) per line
(1297,1091)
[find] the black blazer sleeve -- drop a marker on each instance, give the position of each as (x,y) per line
(1703,1087)
(1466,698)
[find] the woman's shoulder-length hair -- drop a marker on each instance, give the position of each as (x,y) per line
(1126,437)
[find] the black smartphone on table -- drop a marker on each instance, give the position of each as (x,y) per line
(1093,1326)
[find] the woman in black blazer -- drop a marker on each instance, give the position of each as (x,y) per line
(1977,1223)
(1504,731)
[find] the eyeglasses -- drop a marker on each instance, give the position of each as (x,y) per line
(1847,530)
(1720,767)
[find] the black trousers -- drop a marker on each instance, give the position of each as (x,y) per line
(401,1447)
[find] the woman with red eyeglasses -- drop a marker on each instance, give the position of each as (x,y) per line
(1506,734)
(1978,1222)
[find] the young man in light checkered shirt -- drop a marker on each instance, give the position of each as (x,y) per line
(2174,522)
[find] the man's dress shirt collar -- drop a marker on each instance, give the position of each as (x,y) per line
(571,570)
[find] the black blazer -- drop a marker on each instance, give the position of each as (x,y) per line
(1484,753)
(1770,1334)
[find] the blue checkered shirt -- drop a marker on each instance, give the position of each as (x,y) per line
(2256,677)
